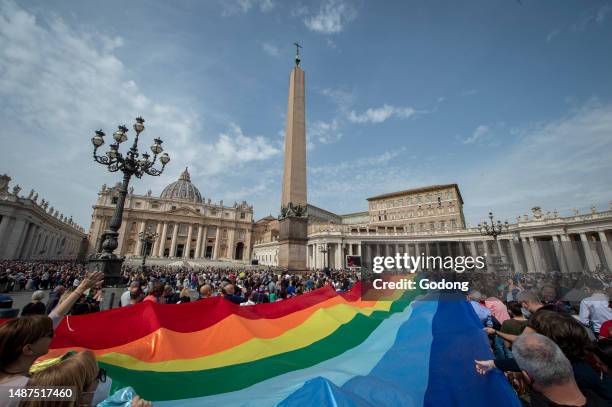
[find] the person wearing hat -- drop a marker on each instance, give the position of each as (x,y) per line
(36,307)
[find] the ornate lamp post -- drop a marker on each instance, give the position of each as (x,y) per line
(494,229)
(130,165)
(147,238)
(324,248)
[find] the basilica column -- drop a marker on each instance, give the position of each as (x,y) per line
(155,251)
(217,243)
(175,230)
(605,246)
(204,241)
(588,254)
(529,257)
(162,240)
(141,229)
(198,249)
(187,247)
(247,246)
(231,242)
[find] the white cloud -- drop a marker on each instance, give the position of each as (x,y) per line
(348,166)
(551,35)
(602,13)
(381,114)
(233,148)
(58,84)
(299,11)
(479,133)
(233,7)
(343,99)
(325,132)
(332,17)
(270,49)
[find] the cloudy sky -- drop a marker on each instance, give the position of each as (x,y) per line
(510,99)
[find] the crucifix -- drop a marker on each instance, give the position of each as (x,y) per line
(297,53)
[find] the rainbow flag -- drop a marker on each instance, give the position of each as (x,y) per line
(317,349)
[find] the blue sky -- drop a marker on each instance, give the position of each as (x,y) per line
(511,100)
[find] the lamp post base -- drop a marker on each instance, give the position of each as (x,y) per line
(111,267)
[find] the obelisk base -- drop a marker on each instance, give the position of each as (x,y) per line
(292,241)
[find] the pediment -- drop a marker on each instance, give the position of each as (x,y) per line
(184,211)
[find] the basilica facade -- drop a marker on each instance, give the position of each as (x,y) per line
(187,225)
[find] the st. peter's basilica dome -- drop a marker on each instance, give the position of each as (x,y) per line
(182,189)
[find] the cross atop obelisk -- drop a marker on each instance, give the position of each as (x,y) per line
(297,53)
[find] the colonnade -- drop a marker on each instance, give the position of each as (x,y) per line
(528,253)
(25,239)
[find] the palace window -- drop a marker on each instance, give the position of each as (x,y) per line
(114,200)
(173,207)
(138,204)
(242,215)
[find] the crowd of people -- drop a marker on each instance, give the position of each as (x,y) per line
(38,275)
(245,286)
(551,335)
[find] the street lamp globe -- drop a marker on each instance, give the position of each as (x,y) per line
(164,158)
(157,148)
(139,125)
(98,139)
(120,135)
(112,153)
(145,158)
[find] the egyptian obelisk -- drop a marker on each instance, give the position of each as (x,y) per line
(293,218)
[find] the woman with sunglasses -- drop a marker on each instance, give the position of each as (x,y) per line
(25,339)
